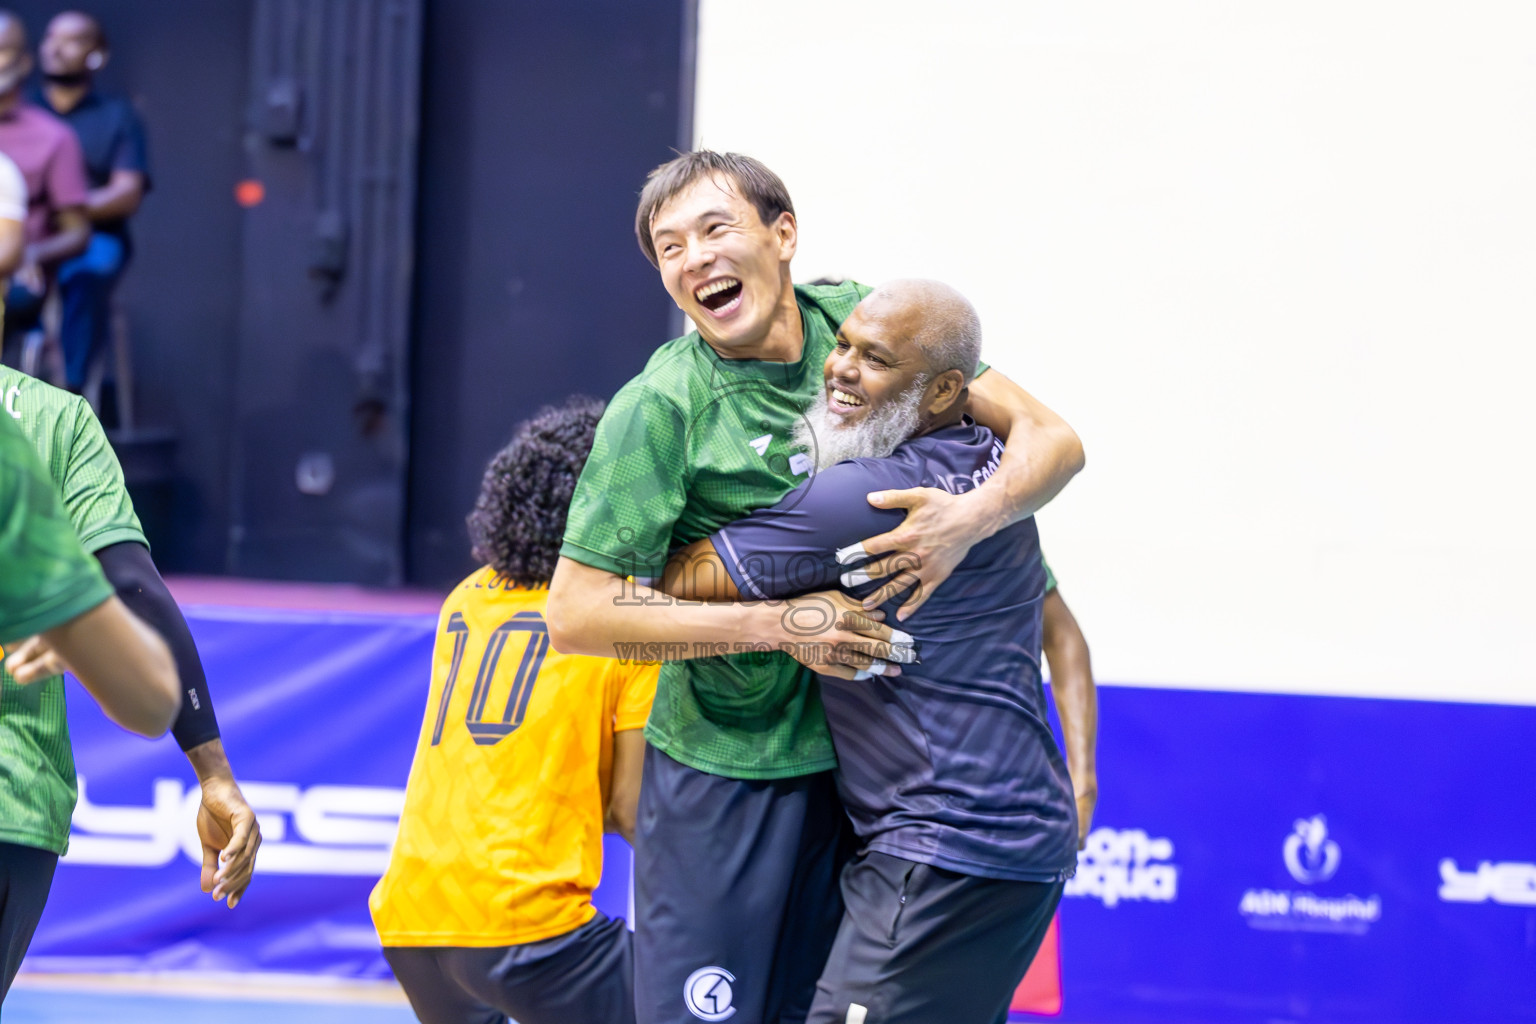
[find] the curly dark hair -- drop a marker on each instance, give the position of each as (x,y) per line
(519,517)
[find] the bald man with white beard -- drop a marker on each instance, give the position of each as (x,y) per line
(958,794)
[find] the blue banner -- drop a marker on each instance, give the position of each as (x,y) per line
(1259,857)
(320,715)
(1254,857)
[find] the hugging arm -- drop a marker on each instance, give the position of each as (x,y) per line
(595,612)
(698,573)
(779,558)
(1043,453)
(788,552)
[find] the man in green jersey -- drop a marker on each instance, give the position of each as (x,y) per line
(50,586)
(740,834)
(69,439)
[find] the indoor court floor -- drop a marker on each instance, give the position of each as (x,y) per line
(82,999)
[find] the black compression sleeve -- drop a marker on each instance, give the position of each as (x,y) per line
(133,575)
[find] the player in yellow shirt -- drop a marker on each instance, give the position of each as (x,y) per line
(525,757)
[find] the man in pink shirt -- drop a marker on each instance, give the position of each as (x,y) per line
(49,156)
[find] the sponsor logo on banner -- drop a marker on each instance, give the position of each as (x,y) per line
(1311,858)
(1510,883)
(1124,864)
(315,830)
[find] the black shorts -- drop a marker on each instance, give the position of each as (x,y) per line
(26,875)
(736,895)
(584,975)
(922,945)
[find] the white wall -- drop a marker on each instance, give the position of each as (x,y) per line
(1276,262)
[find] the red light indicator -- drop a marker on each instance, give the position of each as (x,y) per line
(250,192)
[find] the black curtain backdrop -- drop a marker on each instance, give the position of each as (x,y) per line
(538,124)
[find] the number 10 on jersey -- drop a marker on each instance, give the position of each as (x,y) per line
(530,626)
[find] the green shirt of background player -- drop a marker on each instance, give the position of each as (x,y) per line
(654,482)
(50,587)
(68,438)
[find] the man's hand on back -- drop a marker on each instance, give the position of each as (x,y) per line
(1042,454)
(939,531)
(827,631)
(833,634)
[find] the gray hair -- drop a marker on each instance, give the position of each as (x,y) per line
(948,329)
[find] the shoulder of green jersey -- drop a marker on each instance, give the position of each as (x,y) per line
(11,383)
(837,300)
(670,352)
(81,406)
(22,396)
(645,391)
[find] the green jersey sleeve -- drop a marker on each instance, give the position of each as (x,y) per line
(633,487)
(46,578)
(1050,577)
(95,494)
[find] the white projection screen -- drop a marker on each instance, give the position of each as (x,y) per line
(1276,262)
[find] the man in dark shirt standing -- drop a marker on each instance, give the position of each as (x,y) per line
(117,167)
(957,792)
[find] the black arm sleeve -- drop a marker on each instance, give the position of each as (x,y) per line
(133,575)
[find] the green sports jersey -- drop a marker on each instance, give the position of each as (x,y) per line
(1050,577)
(36,802)
(46,579)
(66,435)
(692,443)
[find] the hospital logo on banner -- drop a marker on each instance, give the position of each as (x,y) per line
(1311,858)
(1125,864)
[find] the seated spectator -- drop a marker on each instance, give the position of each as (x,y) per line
(48,155)
(112,138)
(13,220)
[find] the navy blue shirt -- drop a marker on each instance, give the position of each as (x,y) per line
(111,137)
(952,763)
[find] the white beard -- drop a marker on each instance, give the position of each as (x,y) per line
(873,437)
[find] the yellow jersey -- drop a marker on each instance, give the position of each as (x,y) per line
(501,838)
